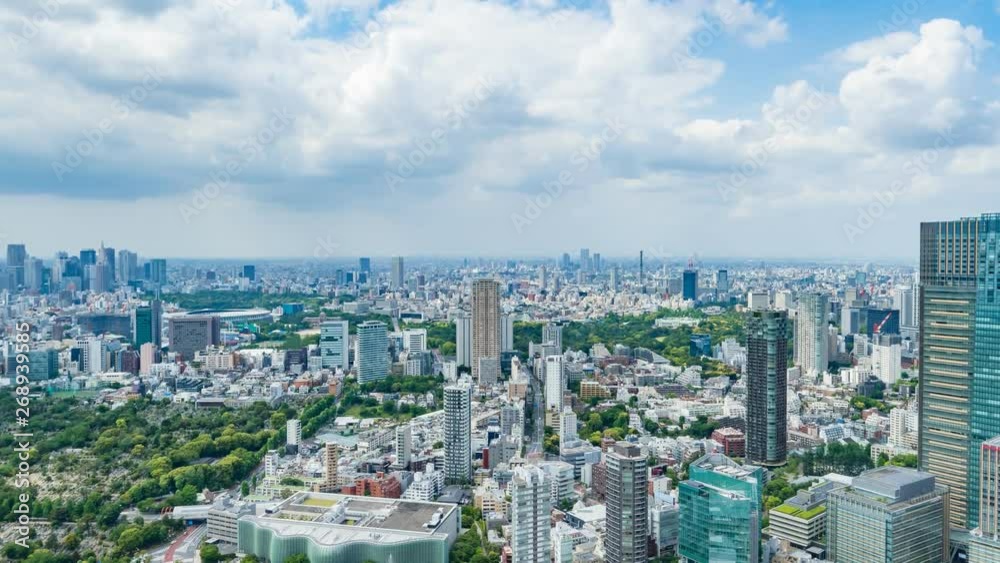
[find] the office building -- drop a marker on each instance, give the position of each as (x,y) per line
(17,254)
(485,322)
(530,514)
(812,335)
(801,520)
(722,282)
(396,280)
(158,272)
(690,285)
(984,546)
(758,301)
(891,514)
(334,344)
(147,324)
(627,525)
(249,272)
(555,383)
(415,340)
(506,333)
(458,433)
(193,333)
(767,377)
(850,320)
(903,300)
(372,358)
(959,342)
(365,265)
(331,528)
(720,516)
(552,333)
(404,445)
(463,339)
(293,435)
(887,362)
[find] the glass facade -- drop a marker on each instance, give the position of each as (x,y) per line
(267,544)
(985,419)
(720,512)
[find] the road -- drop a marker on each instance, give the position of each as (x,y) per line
(183,549)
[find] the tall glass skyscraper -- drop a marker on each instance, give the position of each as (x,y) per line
(767,388)
(959,349)
(721,511)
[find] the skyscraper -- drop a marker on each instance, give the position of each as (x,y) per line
(690,285)
(458,433)
(530,514)
(902,299)
(555,383)
(985,544)
(293,435)
(463,339)
(396,281)
(552,332)
(331,455)
(959,341)
(16,256)
(147,324)
(404,445)
(720,516)
(158,272)
(372,358)
(334,344)
(250,272)
(812,334)
(767,376)
(365,264)
(722,281)
(506,333)
(485,322)
(889,514)
(627,505)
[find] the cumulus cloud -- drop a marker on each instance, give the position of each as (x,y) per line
(469,108)
(913,94)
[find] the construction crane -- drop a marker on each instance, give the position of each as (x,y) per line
(878,327)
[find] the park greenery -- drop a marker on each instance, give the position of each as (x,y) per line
(145,455)
(472,546)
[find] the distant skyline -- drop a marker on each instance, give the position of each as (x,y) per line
(319,128)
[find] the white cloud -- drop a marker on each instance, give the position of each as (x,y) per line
(366,96)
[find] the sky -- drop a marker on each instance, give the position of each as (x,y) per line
(328,128)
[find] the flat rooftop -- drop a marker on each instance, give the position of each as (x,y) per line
(330,518)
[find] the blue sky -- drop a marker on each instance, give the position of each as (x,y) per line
(480,127)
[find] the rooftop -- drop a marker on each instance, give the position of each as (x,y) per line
(329,519)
